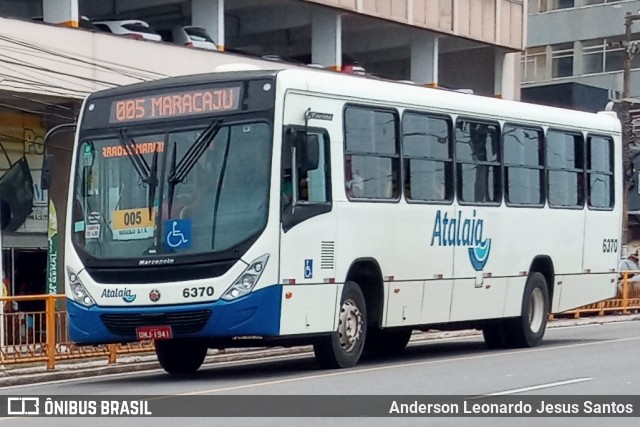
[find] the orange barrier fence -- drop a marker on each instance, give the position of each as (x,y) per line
(42,336)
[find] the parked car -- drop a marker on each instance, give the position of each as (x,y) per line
(132,28)
(189,36)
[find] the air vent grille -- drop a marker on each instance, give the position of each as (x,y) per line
(327,255)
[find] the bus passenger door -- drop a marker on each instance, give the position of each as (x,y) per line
(307,238)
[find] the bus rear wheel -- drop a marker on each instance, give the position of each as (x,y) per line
(180,356)
(528,329)
(343,348)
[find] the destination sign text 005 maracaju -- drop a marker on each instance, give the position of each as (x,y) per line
(175,104)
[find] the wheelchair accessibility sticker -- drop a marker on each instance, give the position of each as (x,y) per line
(177,233)
(308,268)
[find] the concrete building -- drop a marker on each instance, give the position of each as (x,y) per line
(574,58)
(579,41)
(46,69)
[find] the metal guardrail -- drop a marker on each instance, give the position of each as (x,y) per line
(42,336)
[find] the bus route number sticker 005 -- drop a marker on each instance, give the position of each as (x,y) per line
(133,224)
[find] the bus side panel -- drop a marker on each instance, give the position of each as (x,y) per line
(580,278)
(479,301)
(513,298)
(305,260)
(436,303)
(308,309)
(474,295)
(601,248)
(403,303)
(437,264)
(585,289)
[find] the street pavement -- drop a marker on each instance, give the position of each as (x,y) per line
(13,375)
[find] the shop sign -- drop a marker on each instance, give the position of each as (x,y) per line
(52,262)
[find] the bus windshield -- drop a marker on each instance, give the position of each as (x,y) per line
(188,191)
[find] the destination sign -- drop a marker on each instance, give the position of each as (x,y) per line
(175,104)
(140,148)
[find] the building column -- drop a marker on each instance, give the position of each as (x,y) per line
(209,14)
(504,85)
(577,58)
(424,59)
(326,38)
(61,12)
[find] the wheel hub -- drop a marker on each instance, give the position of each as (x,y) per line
(350,327)
(536,310)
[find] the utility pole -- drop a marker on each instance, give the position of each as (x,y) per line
(627,132)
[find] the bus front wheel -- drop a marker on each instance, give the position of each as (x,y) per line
(180,356)
(343,348)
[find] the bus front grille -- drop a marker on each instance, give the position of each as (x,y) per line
(185,322)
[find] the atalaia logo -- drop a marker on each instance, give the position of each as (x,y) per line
(462,231)
(124,293)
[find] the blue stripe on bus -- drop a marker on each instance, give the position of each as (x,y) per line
(257,314)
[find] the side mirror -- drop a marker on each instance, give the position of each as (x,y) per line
(46,176)
(47,160)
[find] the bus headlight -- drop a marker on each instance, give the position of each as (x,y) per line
(247,280)
(80,294)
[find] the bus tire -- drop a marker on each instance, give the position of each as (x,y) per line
(180,356)
(343,348)
(387,341)
(528,329)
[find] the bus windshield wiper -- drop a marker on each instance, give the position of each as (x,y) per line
(148,175)
(153,183)
(182,169)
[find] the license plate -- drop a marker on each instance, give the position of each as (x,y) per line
(154,332)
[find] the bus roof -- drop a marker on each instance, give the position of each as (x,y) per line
(366,89)
(177,81)
(445,101)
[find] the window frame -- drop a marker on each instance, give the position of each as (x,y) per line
(559,53)
(397,156)
(542,167)
(611,173)
(591,48)
(582,193)
(451,160)
(534,61)
(458,182)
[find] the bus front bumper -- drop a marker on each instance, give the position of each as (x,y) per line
(257,314)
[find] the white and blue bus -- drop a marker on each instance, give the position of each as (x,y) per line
(310,207)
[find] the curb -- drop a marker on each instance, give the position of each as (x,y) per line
(147,362)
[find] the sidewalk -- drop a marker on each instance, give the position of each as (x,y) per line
(12,375)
